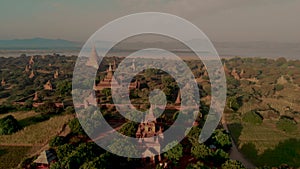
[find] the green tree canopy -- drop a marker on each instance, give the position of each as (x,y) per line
(9,125)
(232,164)
(129,129)
(175,153)
(201,151)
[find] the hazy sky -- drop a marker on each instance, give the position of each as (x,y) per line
(221,20)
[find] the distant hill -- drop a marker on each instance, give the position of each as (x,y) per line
(38,43)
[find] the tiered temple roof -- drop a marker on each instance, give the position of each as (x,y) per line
(150,134)
(109,81)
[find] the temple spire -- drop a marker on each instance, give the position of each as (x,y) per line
(178,99)
(26,68)
(36,97)
(56,74)
(48,85)
(93,59)
(31,61)
(31,74)
(3,83)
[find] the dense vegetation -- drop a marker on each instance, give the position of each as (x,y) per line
(262,104)
(9,125)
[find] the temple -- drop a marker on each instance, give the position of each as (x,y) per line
(226,70)
(56,74)
(93,59)
(108,81)
(90,100)
(150,134)
(3,83)
(31,74)
(31,61)
(48,86)
(235,74)
(178,99)
(26,68)
(36,97)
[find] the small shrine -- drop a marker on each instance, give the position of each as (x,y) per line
(48,85)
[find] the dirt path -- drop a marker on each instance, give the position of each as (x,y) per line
(235,154)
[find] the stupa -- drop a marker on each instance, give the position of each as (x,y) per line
(31,74)
(93,59)
(48,85)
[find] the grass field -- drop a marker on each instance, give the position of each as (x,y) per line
(20,114)
(36,134)
(264,144)
(11,156)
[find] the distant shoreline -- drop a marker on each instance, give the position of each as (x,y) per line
(75,52)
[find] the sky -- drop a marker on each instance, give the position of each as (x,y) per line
(220,20)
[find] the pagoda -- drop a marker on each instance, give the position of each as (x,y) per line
(31,74)
(178,99)
(36,97)
(150,134)
(31,61)
(26,68)
(110,82)
(93,59)
(48,85)
(56,74)
(3,83)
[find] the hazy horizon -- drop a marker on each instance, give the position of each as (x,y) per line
(230,21)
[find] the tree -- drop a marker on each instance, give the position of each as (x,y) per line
(175,153)
(232,164)
(234,103)
(64,88)
(98,163)
(219,157)
(48,108)
(75,127)
(198,165)
(129,129)
(57,141)
(201,151)
(63,151)
(222,139)
(194,134)
(9,125)
(122,147)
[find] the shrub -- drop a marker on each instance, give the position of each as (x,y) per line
(75,127)
(232,164)
(57,141)
(279,87)
(252,117)
(9,125)
(6,108)
(286,124)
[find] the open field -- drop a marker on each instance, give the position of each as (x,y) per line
(20,114)
(264,143)
(36,134)
(11,156)
(264,136)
